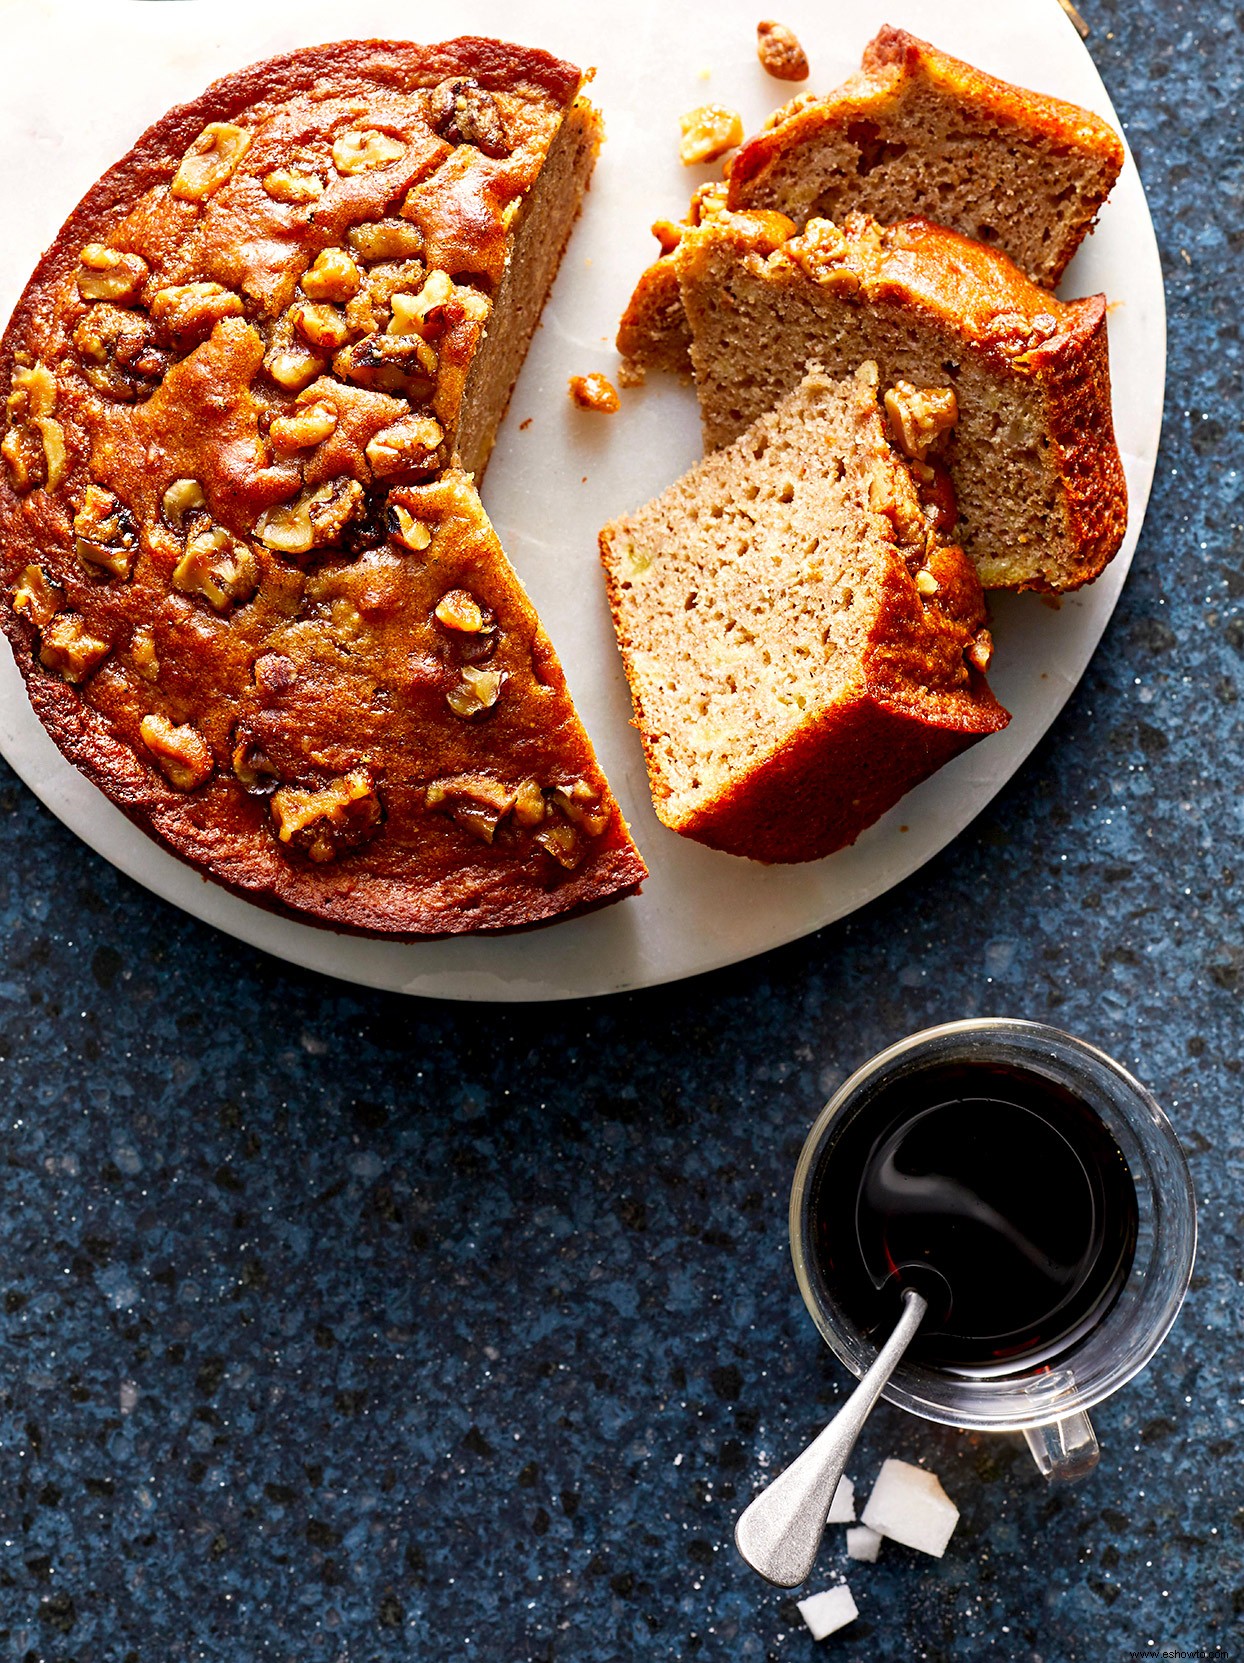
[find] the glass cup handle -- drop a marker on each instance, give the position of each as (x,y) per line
(1064,1446)
(1064,1449)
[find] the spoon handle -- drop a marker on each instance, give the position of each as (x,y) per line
(779,1532)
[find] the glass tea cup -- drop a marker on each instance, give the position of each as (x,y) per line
(1049,1404)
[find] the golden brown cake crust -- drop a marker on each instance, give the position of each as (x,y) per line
(235,555)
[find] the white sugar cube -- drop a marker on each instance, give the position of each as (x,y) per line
(863,1543)
(826,1613)
(909,1506)
(842,1507)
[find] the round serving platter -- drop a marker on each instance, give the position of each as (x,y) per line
(557,473)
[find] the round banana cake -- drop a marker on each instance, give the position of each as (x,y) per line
(246,572)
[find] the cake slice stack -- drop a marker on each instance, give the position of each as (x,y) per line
(802,645)
(914,133)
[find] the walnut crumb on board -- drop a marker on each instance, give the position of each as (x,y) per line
(594,392)
(780,53)
(707,133)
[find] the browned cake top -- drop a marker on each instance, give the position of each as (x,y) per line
(248,598)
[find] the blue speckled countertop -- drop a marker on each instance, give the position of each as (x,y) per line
(347,1328)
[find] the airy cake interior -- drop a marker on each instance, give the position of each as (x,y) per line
(754,332)
(921,149)
(545,220)
(747,595)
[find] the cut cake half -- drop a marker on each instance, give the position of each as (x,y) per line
(801,645)
(918,132)
(1039,486)
(254,597)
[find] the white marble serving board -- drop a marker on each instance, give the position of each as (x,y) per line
(83,80)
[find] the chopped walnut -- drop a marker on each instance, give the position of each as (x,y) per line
(275,673)
(252,767)
(438,302)
(765,229)
(188,312)
(361,150)
(980,654)
(314,520)
(478,691)
(529,804)
(286,184)
(119,352)
(218,567)
(562,842)
(332,276)
(68,648)
(324,326)
(54,459)
(708,202)
(372,308)
(105,532)
(107,274)
(210,161)
(405,529)
(580,803)
(386,239)
(293,368)
(476,801)
(920,415)
(401,364)
(33,394)
(780,53)
(289,360)
(408,449)
(819,251)
(926,583)
(143,655)
(34,445)
(306,425)
(708,133)
(459,610)
(183,500)
(182,754)
(594,392)
(327,823)
(784,112)
(37,596)
(23,456)
(460,110)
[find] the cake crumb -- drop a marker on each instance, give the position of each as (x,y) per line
(707,133)
(594,392)
(780,53)
(524,425)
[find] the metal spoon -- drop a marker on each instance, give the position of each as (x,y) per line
(779,1532)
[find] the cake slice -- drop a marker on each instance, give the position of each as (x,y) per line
(1039,487)
(914,133)
(921,133)
(801,644)
(253,593)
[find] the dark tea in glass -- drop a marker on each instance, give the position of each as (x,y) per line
(997,1193)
